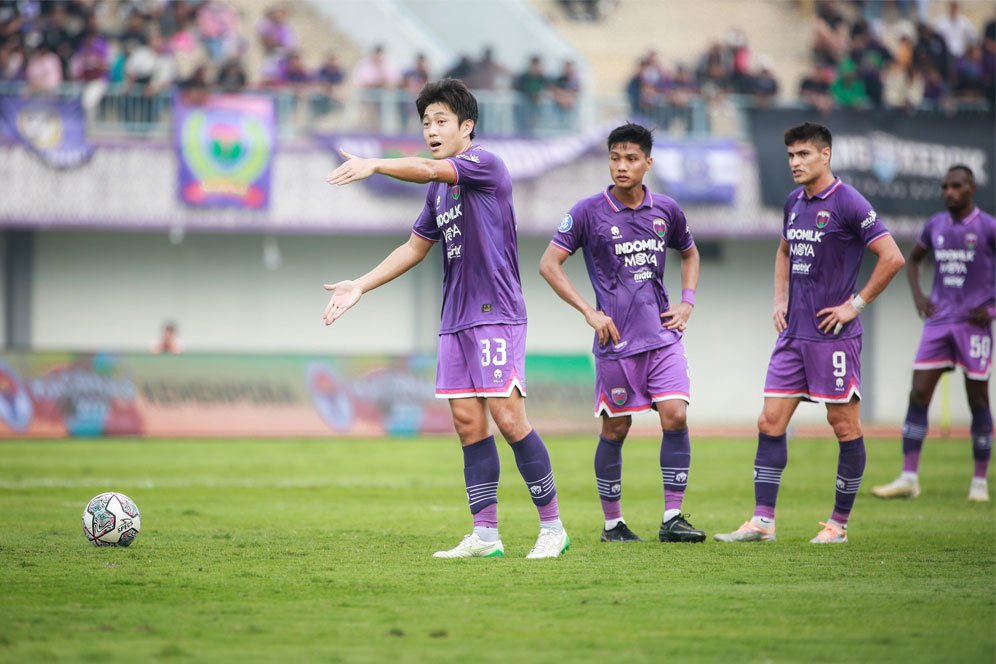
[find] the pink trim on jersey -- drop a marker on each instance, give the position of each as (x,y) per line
(852,390)
(877,238)
(560,246)
(822,195)
(784,394)
(456,172)
(415,232)
(608,200)
(950,365)
(972,216)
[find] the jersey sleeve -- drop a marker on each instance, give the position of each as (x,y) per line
(425,225)
(680,237)
(477,169)
(570,235)
(863,220)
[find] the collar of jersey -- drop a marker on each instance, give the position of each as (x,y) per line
(616,204)
(825,194)
(969,218)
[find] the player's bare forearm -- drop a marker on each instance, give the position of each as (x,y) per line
(552,269)
(397,263)
(345,294)
(920,301)
(890,262)
(780,304)
(408,169)
(690,264)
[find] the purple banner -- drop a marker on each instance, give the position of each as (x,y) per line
(698,172)
(225,151)
(52,128)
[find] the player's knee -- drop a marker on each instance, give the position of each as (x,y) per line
(977,402)
(769,425)
(919,396)
(616,428)
(844,428)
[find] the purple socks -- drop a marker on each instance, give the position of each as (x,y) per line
(914,431)
(850,468)
(676,456)
(534,465)
(608,476)
(982,440)
(769,462)
(480,472)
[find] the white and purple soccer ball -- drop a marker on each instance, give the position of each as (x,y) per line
(111,519)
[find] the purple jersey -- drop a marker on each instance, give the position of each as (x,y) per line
(827,235)
(965,271)
(624,250)
(475,220)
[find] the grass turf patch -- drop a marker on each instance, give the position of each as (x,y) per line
(264,550)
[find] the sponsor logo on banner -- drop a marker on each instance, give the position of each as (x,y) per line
(53,129)
(330,397)
(619,395)
(16,409)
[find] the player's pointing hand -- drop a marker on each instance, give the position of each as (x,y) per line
(353,169)
(347,293)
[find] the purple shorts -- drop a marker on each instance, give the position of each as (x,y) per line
(482,361)
(962,344)
(823,371)
(633,384)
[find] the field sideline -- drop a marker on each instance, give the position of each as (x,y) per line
(266,550)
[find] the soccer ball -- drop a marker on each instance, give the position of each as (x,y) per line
(111,519)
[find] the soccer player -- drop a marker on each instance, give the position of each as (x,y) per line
(957,327)
(640,364)
(827,225)
(482,338)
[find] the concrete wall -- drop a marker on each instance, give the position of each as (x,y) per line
(113,290)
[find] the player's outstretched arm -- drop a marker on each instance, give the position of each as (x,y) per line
(347,293)
(552,269)
(890,261)
(923,305)
(409,169)
(677,315)
(781,286)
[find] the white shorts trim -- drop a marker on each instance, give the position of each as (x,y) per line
(514,384)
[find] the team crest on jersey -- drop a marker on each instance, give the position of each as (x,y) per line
(455,192)
(619,395)
(660,227)
(566,224)
(616,232)
(970,240)
(822,218)
(939,240)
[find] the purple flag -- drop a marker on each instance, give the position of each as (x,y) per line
(225,151)
(53,128)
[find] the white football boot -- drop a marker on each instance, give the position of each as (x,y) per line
(472,546)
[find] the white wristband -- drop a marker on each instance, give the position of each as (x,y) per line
(858,303)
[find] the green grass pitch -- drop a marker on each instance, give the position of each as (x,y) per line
(272,551)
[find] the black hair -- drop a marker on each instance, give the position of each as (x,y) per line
(964,169)
(632,133)
(809,131)
(453,93)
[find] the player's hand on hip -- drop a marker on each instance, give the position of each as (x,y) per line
(836,317)
(347,293)
(780,318)
(353,169)
(678,315)
(604,327)
(980,316)
(924,307)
